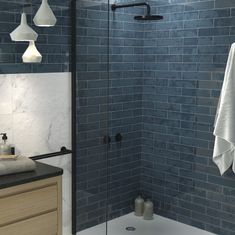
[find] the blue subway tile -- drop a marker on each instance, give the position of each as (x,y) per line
(217,13)
(214,31)
(199,6)
(202,23)
(224,3)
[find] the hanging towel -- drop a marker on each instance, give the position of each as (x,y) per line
(224,148)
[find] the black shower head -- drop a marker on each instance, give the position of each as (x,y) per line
(149,17)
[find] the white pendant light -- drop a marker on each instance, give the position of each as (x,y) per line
(44,16)
(23,32)
(32,55)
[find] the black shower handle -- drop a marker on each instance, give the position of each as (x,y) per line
(118,137)
(106,139)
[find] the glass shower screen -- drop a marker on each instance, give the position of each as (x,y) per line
(92,83)
(109,115)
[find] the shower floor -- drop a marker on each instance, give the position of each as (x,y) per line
(158,226)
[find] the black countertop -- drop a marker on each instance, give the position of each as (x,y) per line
(43,171)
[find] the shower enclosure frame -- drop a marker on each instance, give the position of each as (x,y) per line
(73,69)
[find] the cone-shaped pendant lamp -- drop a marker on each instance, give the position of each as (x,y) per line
(44,16)
(32,55)
(23,32)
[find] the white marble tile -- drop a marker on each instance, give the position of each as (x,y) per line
(59,133)
(33,132)
(65,163)
(40,109)
(36,134)
(42,93)
(6,94)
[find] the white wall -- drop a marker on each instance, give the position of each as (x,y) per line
(35,111)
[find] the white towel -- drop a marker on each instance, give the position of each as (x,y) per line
(22,164)
(224,148)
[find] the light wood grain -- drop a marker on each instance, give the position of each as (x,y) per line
(45,224)
(28,187)
(32,209)
(59,205)
(28,204)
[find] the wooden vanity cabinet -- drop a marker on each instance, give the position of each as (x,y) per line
(32,208)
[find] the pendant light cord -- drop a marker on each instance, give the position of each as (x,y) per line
(31,21)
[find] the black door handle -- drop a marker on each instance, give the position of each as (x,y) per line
(118,137)
(106,139)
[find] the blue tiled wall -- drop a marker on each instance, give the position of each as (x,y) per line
(184,61)
(53,42)
(164,82)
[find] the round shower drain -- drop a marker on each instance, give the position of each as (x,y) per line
(130,229)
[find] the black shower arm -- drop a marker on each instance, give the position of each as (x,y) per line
(114,6)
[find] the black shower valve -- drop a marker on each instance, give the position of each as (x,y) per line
(118,137)
(106,139)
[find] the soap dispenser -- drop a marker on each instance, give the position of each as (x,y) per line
(5,149)
(148,210)
(139,206)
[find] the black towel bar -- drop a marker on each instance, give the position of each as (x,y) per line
(63,151)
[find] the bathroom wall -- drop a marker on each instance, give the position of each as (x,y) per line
(35,106)
(185,56)
(124,104)
(31,87)
(125,99)
(35,111)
